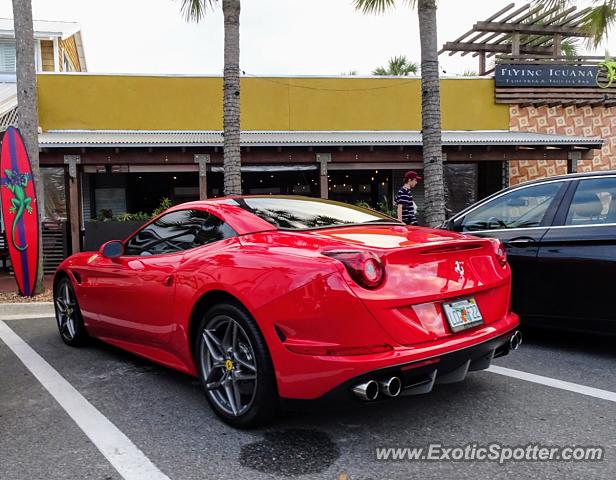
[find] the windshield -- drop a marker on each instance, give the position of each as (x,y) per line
(301,213)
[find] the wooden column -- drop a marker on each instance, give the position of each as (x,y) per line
(482,63)
(558,51)
(324,159)
(573,157)
(515,44)
(202,160)
(74,214)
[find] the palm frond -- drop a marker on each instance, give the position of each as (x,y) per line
(550,4)
(399,66)
(378,6)
(599,21)
(569,48)
(194,10)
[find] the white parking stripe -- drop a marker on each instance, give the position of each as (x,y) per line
(124,456)
(30,316)
(552,382)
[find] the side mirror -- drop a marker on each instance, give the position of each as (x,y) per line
(112,249)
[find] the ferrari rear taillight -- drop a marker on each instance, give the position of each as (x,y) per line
(499,251)
(364,267)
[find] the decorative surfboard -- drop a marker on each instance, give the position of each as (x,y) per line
(19,210)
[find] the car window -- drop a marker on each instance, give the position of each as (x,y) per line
(522,208)
(594,202)
(297,213)
(179,230)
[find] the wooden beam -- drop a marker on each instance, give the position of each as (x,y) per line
(494,47)
(529,29)
(561,90)
(74,212)
(324,159)
(202,160)
(521,19)
(538,14)
(573,159)
(493,17)
(482,155)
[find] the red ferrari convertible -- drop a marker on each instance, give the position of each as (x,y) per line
(275,301)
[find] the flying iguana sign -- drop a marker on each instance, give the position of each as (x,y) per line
(19,210)
(511,75)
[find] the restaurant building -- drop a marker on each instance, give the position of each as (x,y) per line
(120,143)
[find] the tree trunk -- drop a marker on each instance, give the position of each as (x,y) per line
(431,115)
(231,98)
(27,107)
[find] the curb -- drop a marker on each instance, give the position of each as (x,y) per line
(18,311)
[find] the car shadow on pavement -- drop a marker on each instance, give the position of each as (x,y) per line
(356,413)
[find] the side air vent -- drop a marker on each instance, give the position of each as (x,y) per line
(280,334)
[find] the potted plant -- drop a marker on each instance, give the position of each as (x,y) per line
(107,227)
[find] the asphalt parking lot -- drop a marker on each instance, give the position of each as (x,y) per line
(165,415)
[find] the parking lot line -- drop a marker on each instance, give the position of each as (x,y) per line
(552,382)
(118,449)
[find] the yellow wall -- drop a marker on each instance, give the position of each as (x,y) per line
(110,102)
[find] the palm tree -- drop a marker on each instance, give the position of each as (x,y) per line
(399,66)
(430,102)
(597,21)
(194,10)
(27,107)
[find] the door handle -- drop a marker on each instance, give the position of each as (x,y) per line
(521,242)
(168,281)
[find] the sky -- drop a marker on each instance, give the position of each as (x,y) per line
(279,37)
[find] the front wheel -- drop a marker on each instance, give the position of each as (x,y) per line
(68,314)
(235,367)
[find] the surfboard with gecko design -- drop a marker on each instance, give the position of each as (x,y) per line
(19,210)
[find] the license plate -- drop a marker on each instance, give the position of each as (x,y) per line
(462,314)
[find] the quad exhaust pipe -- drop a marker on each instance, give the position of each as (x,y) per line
(368,391)
(391,387)
(515,341)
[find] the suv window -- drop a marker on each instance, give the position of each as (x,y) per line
(522,208)
(179,230)
(594,202)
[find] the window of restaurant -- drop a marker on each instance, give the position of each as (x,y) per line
(373,187)
(54,194)
(110,194)
(269,180)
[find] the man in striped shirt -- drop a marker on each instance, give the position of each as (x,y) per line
(404,199)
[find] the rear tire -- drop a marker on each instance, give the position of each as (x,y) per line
(235,367)
(68,315)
